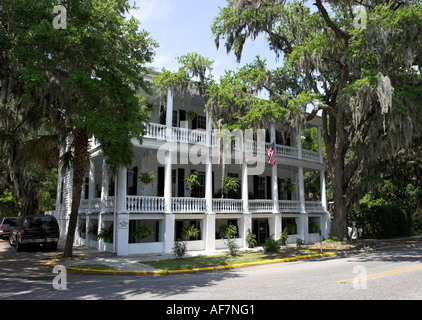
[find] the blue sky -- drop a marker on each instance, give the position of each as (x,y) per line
(183,26)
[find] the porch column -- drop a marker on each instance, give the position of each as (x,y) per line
(122,227)
(167,181)
(322,190)
(169,226)
(274,177)
(91,185)
(169,115)
(303,218)
(209,221)
(104,186)
(121,190)
(246,222)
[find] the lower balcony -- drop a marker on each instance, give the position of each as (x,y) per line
(154,205)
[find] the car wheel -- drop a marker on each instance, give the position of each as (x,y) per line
(11,242)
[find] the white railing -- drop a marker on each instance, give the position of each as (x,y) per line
(286,151)
(289,206)
(310,155)
(143,204)
(313,206)
(189,136)
(188,205)
(83,205)
(96,205)
(227,205)
(155,130)
(158,131)
(109,203)
(261,206)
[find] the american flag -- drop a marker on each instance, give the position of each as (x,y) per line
(270,154)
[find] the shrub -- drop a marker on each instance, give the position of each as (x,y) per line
(251,239)
(271,245)
(380,220)
(179,249)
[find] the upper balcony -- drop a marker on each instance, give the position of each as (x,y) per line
(155,131)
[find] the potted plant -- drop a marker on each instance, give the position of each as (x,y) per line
(190,232)
(106,234)
(231,184)
(143,232)
(93,229)
(82,229)
(192,181)
(191,114)
(289,187)
(147,177)
(149,105)
(251,239)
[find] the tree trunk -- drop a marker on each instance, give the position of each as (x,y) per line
(339,223)
(80,145)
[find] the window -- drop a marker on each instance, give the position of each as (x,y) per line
(198,191)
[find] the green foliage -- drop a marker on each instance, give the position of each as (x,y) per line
(147,177)
(271,245)
(228,233)
(231,184)
(179,249)
(381,220)
(190,232)
(106,234)
(143,232)
(251,239)
(192,180)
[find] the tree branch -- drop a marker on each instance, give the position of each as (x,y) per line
(340,33)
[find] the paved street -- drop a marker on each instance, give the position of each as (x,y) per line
(393,273)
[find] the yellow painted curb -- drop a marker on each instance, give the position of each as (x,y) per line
(159,272)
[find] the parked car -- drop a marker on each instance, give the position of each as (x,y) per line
(6,224)
(35,230)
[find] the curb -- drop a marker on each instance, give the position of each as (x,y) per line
(195,270)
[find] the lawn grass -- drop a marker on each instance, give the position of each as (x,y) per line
(93,267)
(190,263)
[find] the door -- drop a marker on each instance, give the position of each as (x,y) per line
(260,229)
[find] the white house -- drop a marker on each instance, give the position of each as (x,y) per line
(174,147)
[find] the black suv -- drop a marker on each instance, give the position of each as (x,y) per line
(35,230)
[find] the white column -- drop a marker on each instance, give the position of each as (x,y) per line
(122,227)
(91,185)
(303,218)
(169,115)
(121,190)
(208,184)
(209,226)
(169,225)
(245,188)
(104,186)
(167,181)
(299,142)
(274,177)
(322,190)
(244,226)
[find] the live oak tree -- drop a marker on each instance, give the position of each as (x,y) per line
(83,78)
(356,63)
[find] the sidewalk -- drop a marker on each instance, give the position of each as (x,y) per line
(88,260)
(132,264)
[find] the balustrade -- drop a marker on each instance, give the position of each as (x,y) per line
(143,204)
(227,205)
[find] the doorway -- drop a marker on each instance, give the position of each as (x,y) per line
(260,228)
